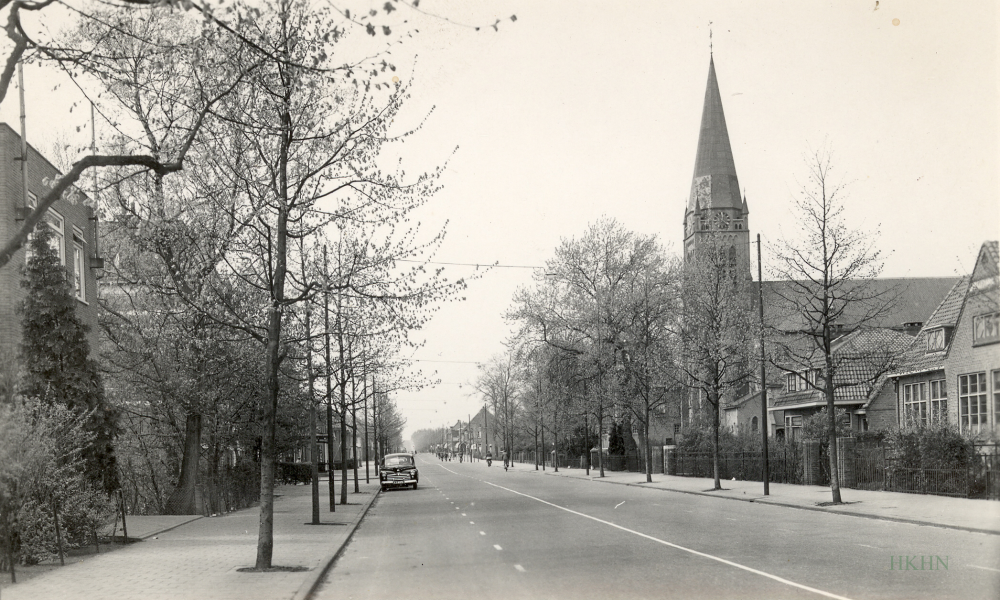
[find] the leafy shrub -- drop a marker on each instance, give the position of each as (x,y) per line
(932,447)
(82,512)
(294,472)
(817,426)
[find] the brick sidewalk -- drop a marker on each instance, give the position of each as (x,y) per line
(199,559)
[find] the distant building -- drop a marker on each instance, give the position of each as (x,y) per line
(73,226)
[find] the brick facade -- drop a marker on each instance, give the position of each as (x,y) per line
(77,219)
(967,356)
(962,354)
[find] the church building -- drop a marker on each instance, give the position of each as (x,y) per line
(716,221)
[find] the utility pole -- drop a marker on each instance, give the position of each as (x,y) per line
(763,381)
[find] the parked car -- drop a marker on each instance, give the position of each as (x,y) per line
(398,470)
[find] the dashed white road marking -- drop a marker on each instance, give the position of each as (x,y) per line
(463,514)
(867,546)
(519,568)
(497,546)
(472,522)
(482,533)
(676,546)
(619,504)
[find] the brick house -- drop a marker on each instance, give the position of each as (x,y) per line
(951,371)
(916,300)
(862,357)
(73,225)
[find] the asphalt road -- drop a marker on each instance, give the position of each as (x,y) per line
(476,532)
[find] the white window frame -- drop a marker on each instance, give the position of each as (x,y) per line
(57,224)
(915,403)
(996,399)
(937,400)
(793,427)
(972,394)
(79,273)
(791,380)
(79,265)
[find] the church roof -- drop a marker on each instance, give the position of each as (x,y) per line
(915,300)
(714,183)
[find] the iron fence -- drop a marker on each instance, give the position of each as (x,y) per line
(875,469)
(784,465)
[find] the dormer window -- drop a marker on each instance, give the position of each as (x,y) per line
(936,340)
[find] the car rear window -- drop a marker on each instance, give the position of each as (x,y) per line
(395,461)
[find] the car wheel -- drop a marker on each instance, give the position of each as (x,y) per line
(383,488)
(414,485)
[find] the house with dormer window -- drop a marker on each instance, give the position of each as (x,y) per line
(920,383)
(951,371)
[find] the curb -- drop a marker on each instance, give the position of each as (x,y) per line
(316,575)
(166,529)
(768,501)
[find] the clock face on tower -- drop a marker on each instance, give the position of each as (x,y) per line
(721,221)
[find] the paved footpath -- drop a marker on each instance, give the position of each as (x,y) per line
(199,558)
(939,511)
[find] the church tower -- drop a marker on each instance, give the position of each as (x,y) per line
(716,217)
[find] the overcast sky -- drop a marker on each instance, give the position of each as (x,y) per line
(584,109)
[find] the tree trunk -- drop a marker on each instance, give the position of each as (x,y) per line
(265,534)
(542,427)
(715,443)
(555,441)
(343,414)
(600,438)
(186,498)
(831,409)
(648,446)
(265,537)
(330,480)
(59,541)
(313,426)
(10,556)
(354,434)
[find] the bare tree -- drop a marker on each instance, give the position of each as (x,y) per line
(828,286)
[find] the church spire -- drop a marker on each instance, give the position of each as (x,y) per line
(716,217)
(714,184)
